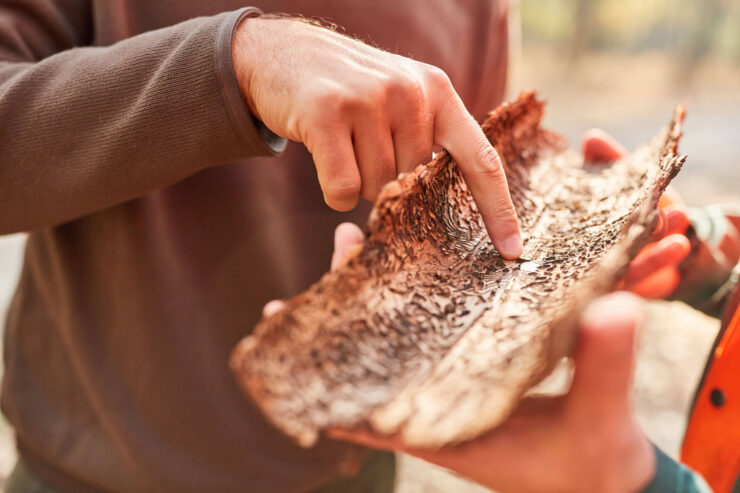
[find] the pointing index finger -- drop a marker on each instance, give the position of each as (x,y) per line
(458,132)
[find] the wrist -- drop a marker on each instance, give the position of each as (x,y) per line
(244,46)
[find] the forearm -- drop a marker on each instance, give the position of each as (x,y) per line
(87,128)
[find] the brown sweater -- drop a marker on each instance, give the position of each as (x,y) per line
(149,254)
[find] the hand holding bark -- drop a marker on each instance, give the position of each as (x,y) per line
(654,272)
(586,441)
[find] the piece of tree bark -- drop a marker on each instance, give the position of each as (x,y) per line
(426,330)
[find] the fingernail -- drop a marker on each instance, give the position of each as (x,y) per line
(511,247)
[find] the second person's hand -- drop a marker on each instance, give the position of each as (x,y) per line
(366,115)
(654,273)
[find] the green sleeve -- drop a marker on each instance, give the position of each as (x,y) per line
(670,476)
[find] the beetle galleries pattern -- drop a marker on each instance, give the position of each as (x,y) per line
(426,330)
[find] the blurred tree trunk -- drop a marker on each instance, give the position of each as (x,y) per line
(700,42)
(584,26)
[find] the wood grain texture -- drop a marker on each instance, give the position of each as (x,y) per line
(426,331)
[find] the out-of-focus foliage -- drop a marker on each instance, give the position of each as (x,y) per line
(686,28)
(623,65)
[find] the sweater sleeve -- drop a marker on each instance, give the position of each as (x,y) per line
(674,477)
(83,128)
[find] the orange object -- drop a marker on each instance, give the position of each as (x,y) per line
(712,442)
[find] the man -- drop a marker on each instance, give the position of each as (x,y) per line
(134,137)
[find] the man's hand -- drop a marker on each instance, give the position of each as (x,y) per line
(366,115)
(654,272)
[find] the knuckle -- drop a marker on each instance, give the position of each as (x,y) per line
(340,102)
(373,95)
(407,87)
(508,222)
(335,103)
(437,78)
(504,204)
(353,100)
(488,164)
(320,104)
(339,192)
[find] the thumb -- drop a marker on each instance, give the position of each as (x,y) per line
(272,307)
(346,236)
(604,357)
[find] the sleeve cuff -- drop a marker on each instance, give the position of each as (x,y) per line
(674,477)
(252,131)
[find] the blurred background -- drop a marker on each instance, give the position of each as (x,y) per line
(621,65)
